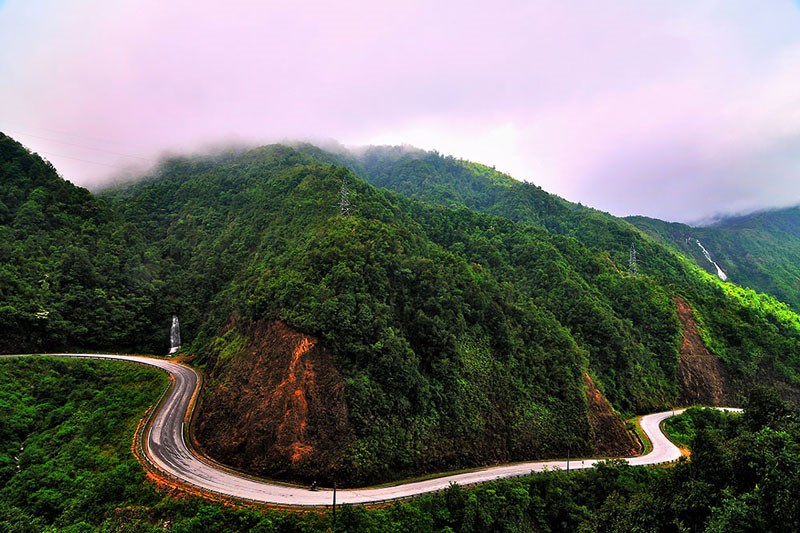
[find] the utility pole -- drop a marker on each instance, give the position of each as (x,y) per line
(344,199)
(633,262)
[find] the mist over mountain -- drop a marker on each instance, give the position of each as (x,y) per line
(760,250)
(365,316)
(671,110)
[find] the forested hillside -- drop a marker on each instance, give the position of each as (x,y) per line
(74,472)
(471,319)
(71,274)
(437,357)
(451,182)
(458,337)
(760,250)
(726,314)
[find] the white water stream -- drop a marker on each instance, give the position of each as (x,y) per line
(721,273)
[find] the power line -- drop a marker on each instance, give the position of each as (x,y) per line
(17,132)
(62,133)
(118,167)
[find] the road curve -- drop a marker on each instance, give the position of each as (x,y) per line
(165,447)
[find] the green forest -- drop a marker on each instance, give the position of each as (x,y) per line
(65,465)
(72,274)
(462,310)
(760,250)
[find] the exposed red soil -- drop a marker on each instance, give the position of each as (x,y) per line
(609,435)
(701,376)
(292,429)
(275,408)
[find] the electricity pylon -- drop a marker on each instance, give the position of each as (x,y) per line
(344,199)
(633,262)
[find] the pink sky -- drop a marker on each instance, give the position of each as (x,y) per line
(680,110)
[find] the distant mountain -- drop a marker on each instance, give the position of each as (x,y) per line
(760,250)
(460,319)
(447,181)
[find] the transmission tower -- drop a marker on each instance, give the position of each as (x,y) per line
(633,262)
(344,199)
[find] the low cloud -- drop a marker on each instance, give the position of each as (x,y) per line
(676,110)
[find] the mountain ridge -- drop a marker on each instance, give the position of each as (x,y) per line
(760,250)
(463,333)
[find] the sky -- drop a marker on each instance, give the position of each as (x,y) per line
(678,110)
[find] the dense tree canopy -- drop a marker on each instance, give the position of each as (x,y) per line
(463,320)
(65,465)
(72,274)
(761,250)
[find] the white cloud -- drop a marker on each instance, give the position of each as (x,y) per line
(632,107)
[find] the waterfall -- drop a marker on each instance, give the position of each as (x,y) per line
(174,335)
(721,273)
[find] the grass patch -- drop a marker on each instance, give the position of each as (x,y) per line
(634,424)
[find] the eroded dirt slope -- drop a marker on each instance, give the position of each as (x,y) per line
(701,376)
(275,407)
(610,437)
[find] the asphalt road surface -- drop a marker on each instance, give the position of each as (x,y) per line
(165,447)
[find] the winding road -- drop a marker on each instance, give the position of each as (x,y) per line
(164,446)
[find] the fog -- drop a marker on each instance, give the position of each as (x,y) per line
(670,109)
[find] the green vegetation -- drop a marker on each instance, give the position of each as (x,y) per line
(439,315)
(421,336)
(71,274)
(755,335)
(65,462)
(462,320)
(635,426)
(65,435)
(76,473)
(760,251)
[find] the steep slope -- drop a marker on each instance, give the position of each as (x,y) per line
(71,275)
(611,437)
(625,324)
(437,357)
(760,250)
(275,406)
(701,376)
(752,334)
(406,338)
(462,338)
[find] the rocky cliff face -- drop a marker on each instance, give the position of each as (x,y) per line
(275,406)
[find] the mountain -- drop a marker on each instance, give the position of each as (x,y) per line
(72,274)
(467,325)
(349,346)
(462,319)
(604,235)
(455,182)
(759,250)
